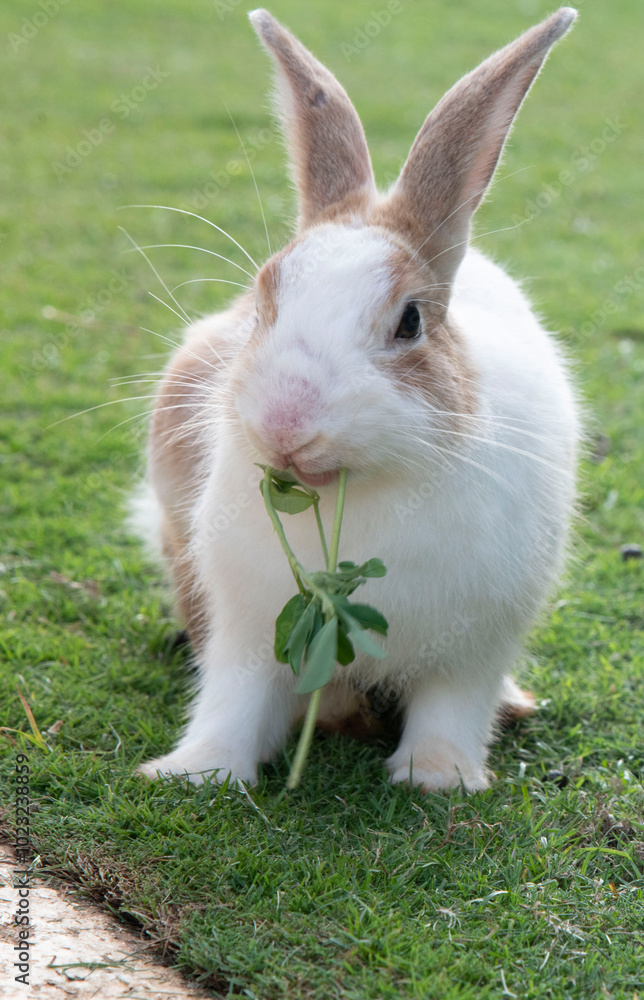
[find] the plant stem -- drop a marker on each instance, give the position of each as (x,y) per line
(325,550)
(304,742)
(337,521)
(296,568)
(301,577)
(306,736)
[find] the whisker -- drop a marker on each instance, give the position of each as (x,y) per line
(502,445)
(252,173)
(178,315)
(487,420)
(432,301)
(466,459)
(182,347)
(136,416)
(165,383)
(99,406)
(470,239)
(189,246)
(168,340)
(188,376)
(183,211)
(224,281)
(155,272)
(476,194)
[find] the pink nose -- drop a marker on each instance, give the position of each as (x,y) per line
(285,427)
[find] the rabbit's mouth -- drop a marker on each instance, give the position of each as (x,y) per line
(316,479)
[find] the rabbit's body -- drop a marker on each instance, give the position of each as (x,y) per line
(461,456)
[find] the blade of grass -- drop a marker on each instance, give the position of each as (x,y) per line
(32,722)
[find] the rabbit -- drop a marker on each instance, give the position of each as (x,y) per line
(377,340)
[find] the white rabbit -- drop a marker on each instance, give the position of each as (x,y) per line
(376,341)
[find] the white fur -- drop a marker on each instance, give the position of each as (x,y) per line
(145,517)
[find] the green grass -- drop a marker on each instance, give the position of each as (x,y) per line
(349,887)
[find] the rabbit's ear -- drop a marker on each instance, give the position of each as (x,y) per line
(329,151)
(457,150)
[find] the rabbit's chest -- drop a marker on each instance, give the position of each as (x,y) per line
(430,555)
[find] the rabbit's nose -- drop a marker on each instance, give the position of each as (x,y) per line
(285,425)
(281,432)
(287,442)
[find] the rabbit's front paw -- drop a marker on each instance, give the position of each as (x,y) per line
(198,764)
(438,769)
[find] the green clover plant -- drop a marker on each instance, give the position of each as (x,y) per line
(319,626)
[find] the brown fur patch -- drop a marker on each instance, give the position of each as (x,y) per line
(330,157)
(510,711)
(358,715)
(437,370)
(189,599)
(267,286)
(436,367)
(409,230)
(179,449)
(353,209)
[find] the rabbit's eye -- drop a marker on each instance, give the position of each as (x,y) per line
(409,326)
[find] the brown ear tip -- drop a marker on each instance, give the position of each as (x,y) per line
(566,16)
(263,22)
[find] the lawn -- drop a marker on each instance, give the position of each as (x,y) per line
(348,887)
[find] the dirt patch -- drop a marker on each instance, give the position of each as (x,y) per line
(78,950)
